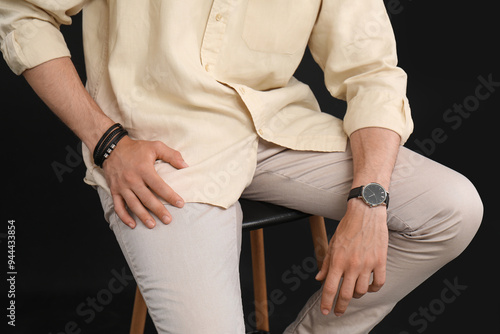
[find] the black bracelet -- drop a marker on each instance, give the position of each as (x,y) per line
(108,142)
(105,143)
(112,144)
(104,136)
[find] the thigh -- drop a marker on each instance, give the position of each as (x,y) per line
(188,270)
(312,182)
(318,183)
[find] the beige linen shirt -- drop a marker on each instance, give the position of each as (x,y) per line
(208,78)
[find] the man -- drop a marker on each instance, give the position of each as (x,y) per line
(210,112)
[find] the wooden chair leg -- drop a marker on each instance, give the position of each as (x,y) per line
(320,240)
(138,314)
(259,279)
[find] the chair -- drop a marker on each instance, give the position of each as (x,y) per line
(256,216)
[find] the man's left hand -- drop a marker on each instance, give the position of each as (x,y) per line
(357,249)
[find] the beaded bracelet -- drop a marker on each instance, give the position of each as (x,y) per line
(108,142)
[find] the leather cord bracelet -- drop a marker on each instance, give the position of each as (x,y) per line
(108,142)
(105,143)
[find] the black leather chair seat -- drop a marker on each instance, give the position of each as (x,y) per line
(261,214)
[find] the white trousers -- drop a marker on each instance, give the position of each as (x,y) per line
(188,272)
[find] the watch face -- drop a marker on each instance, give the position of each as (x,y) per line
(374,194)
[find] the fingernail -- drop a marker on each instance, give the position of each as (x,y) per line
(179,204)
(184,164)
(325,311)
(338,314)
(150,223)
(317,275)
(166,219)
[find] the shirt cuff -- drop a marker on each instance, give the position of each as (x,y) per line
(32,44)
(379,109)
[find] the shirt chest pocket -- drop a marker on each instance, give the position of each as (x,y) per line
(279,26)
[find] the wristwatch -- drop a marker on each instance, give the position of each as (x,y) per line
(373,194)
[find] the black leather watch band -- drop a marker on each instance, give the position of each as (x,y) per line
(355,192)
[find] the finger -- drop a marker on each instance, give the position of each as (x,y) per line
(378,279)
(323,272)
(162,189)
(361,286)
(345,295)
(136,206)
(169,155)
(122,212)
(330,288)
(151,202)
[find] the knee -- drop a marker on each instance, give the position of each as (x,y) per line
(198,314)
(460,211)
(466,203)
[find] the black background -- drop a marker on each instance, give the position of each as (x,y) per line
(65,252)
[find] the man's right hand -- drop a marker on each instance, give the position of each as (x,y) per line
(134,182)
(129,170)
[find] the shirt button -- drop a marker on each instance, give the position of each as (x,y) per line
(261,132)
(218,17)
(208,67)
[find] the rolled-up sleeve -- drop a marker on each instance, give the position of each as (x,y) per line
(354,44)
(29,31)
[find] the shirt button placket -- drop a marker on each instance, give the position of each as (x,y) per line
(215,30)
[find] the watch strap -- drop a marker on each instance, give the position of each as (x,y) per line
(355,193)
